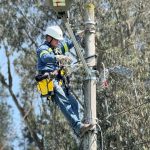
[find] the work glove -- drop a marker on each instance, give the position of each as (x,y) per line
(63,57)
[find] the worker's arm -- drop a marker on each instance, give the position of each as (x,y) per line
(66,45)
(47,56)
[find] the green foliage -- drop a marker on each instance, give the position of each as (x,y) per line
(4,125)
(122,41)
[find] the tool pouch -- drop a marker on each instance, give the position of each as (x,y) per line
(45,85)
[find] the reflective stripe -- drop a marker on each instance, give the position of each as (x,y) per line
(45,52)
(50,50)
(66,47)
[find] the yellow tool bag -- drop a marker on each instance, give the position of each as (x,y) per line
(45,85)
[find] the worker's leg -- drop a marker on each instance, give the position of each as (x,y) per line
(64,104)
(76,106)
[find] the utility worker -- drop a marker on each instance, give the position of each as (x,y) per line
(48,62)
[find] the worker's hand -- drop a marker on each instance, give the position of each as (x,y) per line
(63,57)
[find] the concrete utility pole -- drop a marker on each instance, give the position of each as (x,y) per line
(90,139)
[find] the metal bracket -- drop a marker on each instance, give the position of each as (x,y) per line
(92,76)
(90,22)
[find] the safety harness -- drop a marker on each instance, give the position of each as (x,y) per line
(45,83)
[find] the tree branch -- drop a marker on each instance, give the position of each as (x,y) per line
(3,80)
(9,70)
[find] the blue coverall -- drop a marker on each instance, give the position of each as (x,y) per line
(67,103)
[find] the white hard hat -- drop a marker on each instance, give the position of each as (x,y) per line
(55,32)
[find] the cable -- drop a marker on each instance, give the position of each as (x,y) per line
(78,48)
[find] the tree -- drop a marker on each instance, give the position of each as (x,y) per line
(123,41)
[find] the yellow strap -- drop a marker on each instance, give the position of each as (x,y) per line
(66,47)
(45,52)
